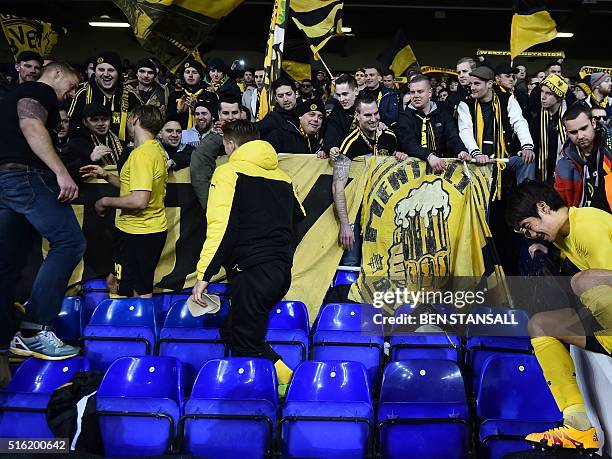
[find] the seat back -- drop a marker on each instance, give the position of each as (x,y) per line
(127,312)
(139,403)
(93,292)
(237,378)
(329,381)
(68,324)
(349,317)
(422,381)
(343,277)
(512,387)
(289,315)
(44,376)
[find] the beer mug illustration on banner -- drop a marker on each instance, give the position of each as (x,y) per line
(421,241)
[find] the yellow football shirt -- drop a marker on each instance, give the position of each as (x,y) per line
(145,170)
(589,243)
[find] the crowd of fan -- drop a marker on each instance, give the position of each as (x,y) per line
(547,126)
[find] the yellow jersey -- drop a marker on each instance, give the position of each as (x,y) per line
(589,243)
(145,170)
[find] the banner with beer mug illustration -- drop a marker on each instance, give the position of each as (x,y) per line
(424,231)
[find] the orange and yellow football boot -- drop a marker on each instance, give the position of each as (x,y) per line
(566,437)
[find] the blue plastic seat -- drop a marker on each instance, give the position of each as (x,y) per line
(23,403)
(345,332)
(344,277)
(288,331)
(120,328)
(513,401)
(94,292)
(232,409)
(192,340)
(69,322)
(139,404)
(421,345)
(483,341)
(328,411)
(423,407)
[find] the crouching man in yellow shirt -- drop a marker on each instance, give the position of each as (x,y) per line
(584,236)
(141,227)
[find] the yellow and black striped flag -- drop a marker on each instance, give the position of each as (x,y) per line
(172,30)
(320,20)
(24,34)
(399,56)
(531,25)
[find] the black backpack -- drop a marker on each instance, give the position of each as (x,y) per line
(71,412)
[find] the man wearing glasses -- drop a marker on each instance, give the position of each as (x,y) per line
(582,175)
(584,237)
(306,90)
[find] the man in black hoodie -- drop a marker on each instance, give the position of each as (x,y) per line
(145,88)
(427,131)
(284,109)
(303,137)
(105,87)
(341,120)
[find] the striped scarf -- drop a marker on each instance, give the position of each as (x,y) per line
(112,142)
(500,150)
(191,121)
(428,138)
(545,118)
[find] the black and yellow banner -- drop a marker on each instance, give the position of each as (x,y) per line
(172,30)
(531,25)
(320,20)
(416,225)
(25,34)
(424,231)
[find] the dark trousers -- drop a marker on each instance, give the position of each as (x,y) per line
(28,203)
(254,292)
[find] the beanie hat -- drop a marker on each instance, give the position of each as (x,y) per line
(556,84)
(597,78)
(148,63)
(194,64)
(313,105)
(109,57)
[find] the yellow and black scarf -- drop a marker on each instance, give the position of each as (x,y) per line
(500,150)
(545,119)
(428,137)
(372,145)
(191,121)
(112,142)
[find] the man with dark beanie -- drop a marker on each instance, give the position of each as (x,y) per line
(284,108)
(105,87)
(217,80)
(145,88)
(182,102)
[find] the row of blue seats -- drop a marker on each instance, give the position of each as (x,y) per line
(343,331)
(233,409)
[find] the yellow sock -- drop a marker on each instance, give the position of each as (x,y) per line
(283,372)
(576,417)
(599,301)
(559,371)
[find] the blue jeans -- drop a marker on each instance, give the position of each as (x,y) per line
(353,257)
(28,204)
(522,171)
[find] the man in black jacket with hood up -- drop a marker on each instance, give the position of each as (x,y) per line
(427,131)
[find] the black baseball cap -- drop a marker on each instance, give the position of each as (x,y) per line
(506,69)
(30,56)
(95,109)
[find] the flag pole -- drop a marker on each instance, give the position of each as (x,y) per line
(331,77)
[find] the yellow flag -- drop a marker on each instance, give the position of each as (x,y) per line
(529,30)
